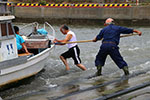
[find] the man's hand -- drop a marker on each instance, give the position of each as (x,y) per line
(55,40)
(138,32)
(95,40)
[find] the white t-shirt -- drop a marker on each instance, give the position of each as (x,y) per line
(72,39)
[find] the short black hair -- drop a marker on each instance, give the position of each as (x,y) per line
(16,29)
(65,27)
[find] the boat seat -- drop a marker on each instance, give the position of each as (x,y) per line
(25,54)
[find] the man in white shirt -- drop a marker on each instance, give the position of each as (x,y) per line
(73,52)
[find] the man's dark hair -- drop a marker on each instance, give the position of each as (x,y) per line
(16,29)
(65,27)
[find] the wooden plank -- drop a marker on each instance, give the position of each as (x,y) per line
(24,54)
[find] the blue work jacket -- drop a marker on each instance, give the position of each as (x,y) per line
(111,33)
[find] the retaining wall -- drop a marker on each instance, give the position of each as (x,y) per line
(130,16)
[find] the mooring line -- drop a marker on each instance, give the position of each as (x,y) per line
(99,85)
(125,91)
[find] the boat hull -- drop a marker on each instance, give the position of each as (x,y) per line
(32,66)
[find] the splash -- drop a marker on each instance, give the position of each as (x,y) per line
(133,49)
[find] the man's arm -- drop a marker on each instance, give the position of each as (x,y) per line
(99,36)
(23,44)
(68,37)
(25,48)
(124,30)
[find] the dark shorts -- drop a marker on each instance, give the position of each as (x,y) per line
(73,53)
(113,51)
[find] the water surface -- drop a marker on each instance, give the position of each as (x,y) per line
(54,81)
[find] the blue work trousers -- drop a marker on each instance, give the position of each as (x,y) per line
(112,50)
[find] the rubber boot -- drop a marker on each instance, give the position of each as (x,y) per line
(99,70)
(126,71)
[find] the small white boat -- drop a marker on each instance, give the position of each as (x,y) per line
(14,66)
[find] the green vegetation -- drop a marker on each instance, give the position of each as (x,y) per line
(42,2)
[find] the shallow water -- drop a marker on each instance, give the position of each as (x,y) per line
(54,81)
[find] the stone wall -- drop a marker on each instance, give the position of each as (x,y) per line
(71,15)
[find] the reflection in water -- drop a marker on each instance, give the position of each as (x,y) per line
(111,88)
(123,84)
(106,91)
(101,89)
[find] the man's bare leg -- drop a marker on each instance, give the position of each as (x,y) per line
(81,66)
(65,62)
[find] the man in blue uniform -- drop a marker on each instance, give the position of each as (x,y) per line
(111,37)
(20,42)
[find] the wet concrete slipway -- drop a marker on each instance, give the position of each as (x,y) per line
(54,83)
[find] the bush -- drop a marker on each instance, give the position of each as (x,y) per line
(42,2)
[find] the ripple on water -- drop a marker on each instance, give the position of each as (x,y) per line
(133,49)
